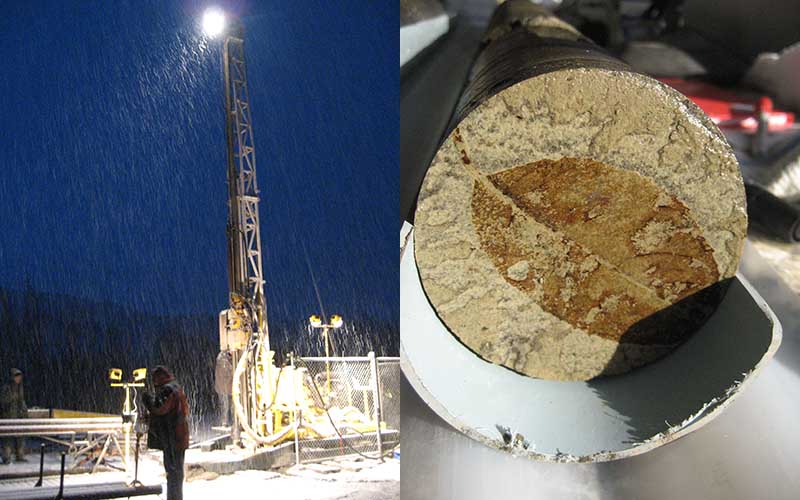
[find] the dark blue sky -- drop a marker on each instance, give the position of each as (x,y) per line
(112,154)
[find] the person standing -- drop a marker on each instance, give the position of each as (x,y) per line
(12,405)
(223,385)
(169,427)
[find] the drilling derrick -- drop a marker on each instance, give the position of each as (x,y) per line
(270,404)
(243,326)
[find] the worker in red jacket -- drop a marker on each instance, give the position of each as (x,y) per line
(169,427)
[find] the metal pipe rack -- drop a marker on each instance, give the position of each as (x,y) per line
(98,432)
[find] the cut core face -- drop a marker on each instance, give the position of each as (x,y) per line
(562,239)
(600,247)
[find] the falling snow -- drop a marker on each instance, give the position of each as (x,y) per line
(113,205)
(113,197)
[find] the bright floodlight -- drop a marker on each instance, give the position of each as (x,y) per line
(213,22)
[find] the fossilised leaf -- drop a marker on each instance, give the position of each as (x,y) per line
(600,247)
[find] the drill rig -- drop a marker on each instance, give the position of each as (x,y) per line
(270,404)
(243,326)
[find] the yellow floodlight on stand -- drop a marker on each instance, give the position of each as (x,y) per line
(129,416)
(336,321)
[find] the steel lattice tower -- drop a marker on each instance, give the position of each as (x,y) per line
(245,271)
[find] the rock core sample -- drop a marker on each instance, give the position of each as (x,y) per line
(579,219)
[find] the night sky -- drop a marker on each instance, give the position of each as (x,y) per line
(112,154)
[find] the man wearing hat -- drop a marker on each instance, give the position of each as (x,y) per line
(12,405)
(169,427)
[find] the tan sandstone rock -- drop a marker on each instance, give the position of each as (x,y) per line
(580,222)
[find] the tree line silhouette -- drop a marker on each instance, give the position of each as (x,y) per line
(65,345)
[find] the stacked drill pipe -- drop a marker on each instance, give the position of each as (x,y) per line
(579,219)
(54,426)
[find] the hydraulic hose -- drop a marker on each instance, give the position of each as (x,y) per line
(237,404)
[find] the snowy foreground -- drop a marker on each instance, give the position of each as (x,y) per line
(342,478)
(346,477)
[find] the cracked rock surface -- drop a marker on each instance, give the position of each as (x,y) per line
(579,223)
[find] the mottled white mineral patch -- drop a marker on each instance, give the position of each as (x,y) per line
(519,271)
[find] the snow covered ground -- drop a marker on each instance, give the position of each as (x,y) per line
(349,477)
(375,481)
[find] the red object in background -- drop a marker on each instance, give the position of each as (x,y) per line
(730,109)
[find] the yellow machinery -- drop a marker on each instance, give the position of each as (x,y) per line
(292,405)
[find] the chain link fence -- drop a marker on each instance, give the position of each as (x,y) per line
(389,390)
(358,407)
